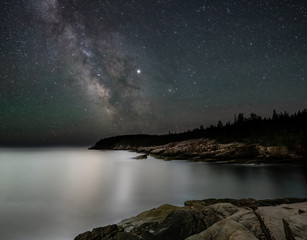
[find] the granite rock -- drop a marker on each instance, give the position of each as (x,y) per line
(213,219)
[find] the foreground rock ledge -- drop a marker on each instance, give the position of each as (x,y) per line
(279,219)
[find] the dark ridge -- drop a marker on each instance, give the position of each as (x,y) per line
(280,129)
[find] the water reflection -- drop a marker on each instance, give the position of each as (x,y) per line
(58,193)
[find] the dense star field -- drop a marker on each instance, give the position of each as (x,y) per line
(73,71)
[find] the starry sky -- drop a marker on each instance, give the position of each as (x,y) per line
(74,71)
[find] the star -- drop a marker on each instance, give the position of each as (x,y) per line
(103,56)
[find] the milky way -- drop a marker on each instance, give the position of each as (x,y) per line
(73,71)
(103,68)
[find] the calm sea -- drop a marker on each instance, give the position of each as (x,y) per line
(55,194)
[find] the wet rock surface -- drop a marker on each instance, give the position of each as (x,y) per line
(213,219)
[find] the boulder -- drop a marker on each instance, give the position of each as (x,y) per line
(179,224)
(152,216)
(278,151)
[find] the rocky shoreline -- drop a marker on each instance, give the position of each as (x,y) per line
(218,219)
(208,150)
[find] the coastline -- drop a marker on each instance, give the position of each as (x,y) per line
(281,219)
(208,150)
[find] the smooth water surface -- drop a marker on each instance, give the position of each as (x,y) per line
(55,194)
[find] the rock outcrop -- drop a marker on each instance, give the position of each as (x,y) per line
(211,151)
(281,219)
(143,156)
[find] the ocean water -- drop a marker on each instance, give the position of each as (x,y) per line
(57,193)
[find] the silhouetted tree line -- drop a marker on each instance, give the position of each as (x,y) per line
(281,129)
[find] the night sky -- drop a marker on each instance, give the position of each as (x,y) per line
(74,71)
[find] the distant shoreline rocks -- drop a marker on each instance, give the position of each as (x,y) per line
(210,150)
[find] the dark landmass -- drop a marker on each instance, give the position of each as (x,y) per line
(218,219)
(281,138)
